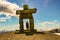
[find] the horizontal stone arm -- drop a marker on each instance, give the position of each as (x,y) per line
(18,12)
(29,11)
(26,11)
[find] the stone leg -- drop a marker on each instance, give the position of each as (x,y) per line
(21,25)
(31,24)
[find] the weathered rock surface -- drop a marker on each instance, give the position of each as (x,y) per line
(13,36)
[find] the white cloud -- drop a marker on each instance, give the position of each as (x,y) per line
(47,25)
(2,20)
(14,27)
(10,28)
(39,25)
(9,8)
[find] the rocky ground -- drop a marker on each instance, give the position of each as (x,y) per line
(13,36)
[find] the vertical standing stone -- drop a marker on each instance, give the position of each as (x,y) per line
(26,14)
(31,24)
(21,25)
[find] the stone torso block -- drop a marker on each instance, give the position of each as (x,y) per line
(25,16)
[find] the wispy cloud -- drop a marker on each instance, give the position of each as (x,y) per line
(47,25)
(39,25)
(2,20)
(9,28)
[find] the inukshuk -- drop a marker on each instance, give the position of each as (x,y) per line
(26,13)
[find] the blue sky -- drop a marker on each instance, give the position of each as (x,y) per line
(47,15)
